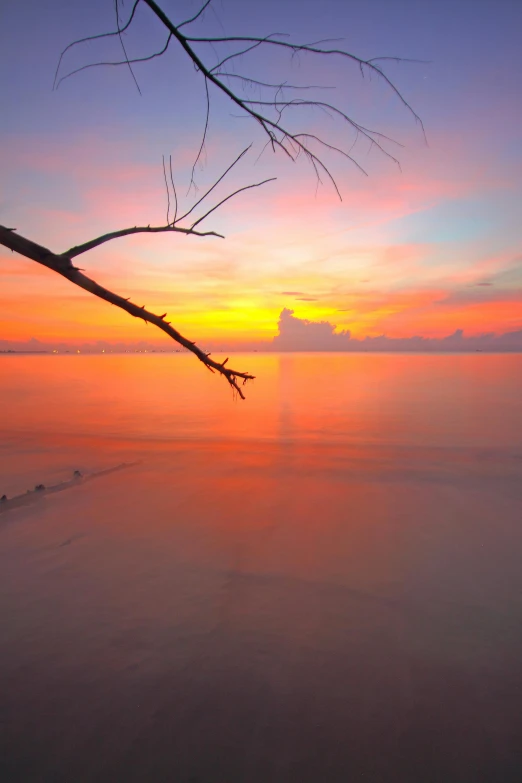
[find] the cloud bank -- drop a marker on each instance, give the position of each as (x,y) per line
(297,334)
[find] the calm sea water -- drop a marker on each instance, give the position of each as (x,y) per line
(322,583)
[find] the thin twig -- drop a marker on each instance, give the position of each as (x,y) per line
(167,189)
(216,183)
(231,195)
(123,46)
(280,86)
(94,38)
(201,11)
(174,192)
(202,145)
(245,51)
(116,62)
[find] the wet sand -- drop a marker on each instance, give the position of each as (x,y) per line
(285,612)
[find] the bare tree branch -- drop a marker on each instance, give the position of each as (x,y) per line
(270,127)
(115,62)
(269,40)
(279,136)
(63,266)
(267,111)
(369,134)
(125,232)
(94,38)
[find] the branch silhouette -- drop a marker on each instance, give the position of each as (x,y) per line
(61,263)
(269,109)
(291,143)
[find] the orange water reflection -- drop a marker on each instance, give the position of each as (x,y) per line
(430,400)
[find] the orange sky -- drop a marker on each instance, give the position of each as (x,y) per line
(426,250)
(354,264)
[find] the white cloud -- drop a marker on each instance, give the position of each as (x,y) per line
(296,334)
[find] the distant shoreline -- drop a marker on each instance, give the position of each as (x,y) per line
(353,352)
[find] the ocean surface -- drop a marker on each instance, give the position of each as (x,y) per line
(320,584)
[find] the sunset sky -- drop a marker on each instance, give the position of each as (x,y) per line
(426,250)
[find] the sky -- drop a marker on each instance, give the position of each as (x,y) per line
(430,250)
